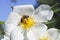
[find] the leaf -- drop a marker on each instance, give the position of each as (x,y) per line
(52,23)
(1,22)
(1,28)
(49,2)
(53,6)
(56,10)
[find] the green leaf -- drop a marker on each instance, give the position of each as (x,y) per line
(1,22)
(53,6)
(56,10)
(1,28)
(52,23)
(49,2)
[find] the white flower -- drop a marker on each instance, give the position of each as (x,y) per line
(53,34)
(36,29)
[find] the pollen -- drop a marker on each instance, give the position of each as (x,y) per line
(27,22)
(44,38)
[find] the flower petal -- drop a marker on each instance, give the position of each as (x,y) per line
(37,31)
(24,9)
(6,37)
(50,15)
(44,16)
(43,7)
(31,35)
(43,13)
(12,21)
(58,38)
(13,18)
(17,34)
(53,34)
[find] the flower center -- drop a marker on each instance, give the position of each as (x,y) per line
(44,38)
(27,22)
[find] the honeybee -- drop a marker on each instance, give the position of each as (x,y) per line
(23,19)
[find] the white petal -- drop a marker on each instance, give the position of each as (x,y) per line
(13,18)
(9,28)
(50,15)
(6,37)
(53,34)
(43,13)
(43,7)
(31,35)
(37,31)
(58,38)
(17,34)
(44,16)
(24,9)
(47,15)
(12,21)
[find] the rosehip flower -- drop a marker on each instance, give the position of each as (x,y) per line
(26,23)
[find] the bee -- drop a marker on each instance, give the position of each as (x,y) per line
(23,19)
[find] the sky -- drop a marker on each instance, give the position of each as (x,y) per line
(5,7)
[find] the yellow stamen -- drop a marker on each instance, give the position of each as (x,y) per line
(28,23)
(44,38)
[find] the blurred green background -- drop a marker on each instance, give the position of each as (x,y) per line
(54,23)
